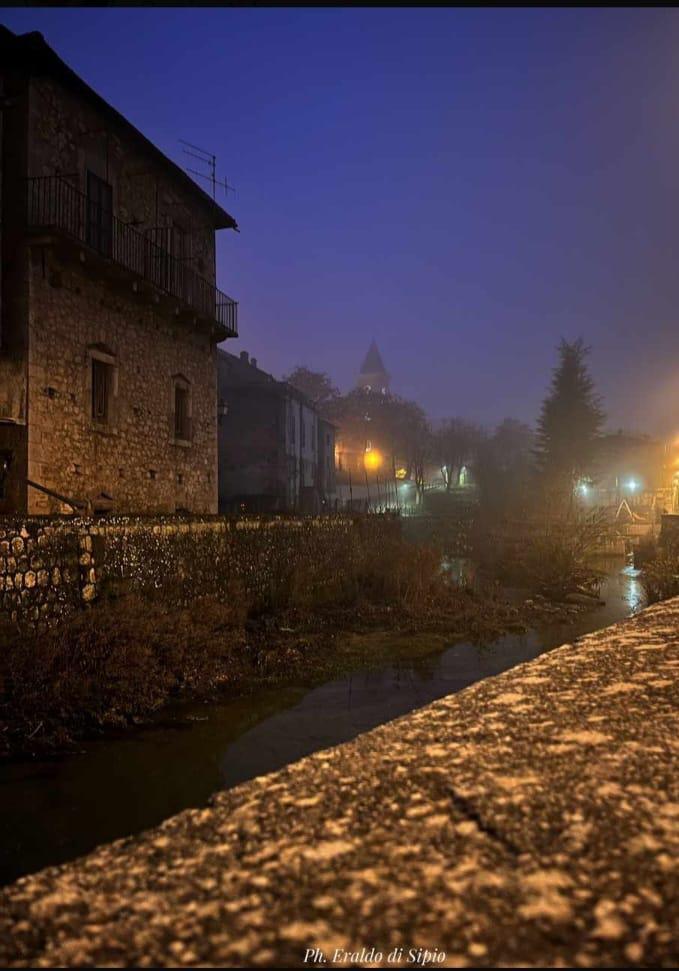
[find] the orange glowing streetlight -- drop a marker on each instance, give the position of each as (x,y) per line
(372,459)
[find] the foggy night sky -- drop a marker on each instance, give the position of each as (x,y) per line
(464,185)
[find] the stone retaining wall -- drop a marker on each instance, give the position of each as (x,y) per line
(48,568)
(40,573)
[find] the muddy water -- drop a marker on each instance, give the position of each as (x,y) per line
(54,811)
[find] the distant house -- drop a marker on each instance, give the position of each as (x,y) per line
(275,453)
(629,467)
(109,311)
(326,474)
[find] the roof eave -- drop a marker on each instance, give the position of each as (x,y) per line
(45,60)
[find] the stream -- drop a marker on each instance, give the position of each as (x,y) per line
(53,811)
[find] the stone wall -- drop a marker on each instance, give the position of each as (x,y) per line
(49,568)
(136,460)
(62,305)
(68,136)
(41,579)
(73,310)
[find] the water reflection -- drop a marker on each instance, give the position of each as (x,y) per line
(633,591)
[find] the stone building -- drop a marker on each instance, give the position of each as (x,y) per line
(109,312)
(275,453)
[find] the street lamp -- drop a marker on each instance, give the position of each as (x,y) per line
(372,459)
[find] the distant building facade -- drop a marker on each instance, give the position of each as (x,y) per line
(632,468)
(109,312)
(366,469)
(327,473)
(275,453)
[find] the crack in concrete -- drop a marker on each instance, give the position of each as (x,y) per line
(466,807)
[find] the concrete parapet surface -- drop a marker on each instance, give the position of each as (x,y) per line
(530,820)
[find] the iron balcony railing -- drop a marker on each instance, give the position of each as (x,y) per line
(53,203)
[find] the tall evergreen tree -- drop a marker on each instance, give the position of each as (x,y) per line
(570,422)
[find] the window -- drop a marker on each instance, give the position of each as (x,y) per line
(99,214)
(180,418)
(102,390)
(302,430)
(181,413)
(5,462)
(292,427)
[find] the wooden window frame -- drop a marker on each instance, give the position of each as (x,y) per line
(100,356)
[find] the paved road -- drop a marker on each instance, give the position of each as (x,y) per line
(531,820)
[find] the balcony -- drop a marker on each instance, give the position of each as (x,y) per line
(53,204)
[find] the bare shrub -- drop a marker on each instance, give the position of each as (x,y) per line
(660,574)
(183,612)
(122,658)
(554,560)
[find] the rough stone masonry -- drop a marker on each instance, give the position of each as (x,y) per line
(530,820)
(110,315)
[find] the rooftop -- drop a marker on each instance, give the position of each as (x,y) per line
(245,373)
(372,363)
(32,55)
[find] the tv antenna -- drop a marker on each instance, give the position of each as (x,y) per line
(210,160)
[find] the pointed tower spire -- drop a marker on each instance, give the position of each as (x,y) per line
(373,375)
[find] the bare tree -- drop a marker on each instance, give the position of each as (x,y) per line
(412,434)
(316,385)
(456,444)
(395,426)
(504,469)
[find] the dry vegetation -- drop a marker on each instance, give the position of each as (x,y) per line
(660,573)
(197,629)
(182,616)
(555,561)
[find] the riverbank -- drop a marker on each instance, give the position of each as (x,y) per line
(115,666)
(168,611)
